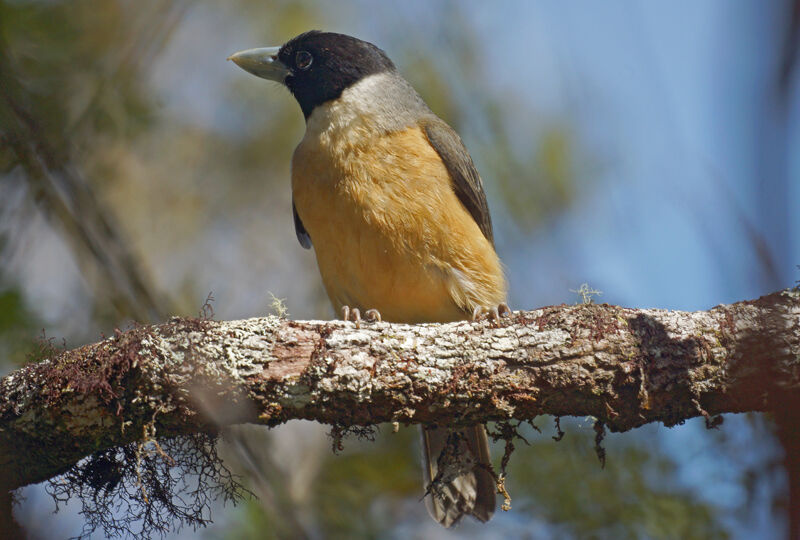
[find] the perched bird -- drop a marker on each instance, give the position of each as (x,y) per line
(388,196)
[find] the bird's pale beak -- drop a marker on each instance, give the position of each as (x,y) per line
(262,62)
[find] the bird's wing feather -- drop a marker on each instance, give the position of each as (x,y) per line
(300,229)
(467,182)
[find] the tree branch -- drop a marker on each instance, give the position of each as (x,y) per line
(626,367)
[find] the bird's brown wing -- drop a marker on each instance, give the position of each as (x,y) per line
(467,182)
(300,229)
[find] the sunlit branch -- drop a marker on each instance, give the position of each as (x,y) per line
(625,367)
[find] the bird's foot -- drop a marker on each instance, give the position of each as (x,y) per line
(493,313)
(354,314)
(373,315)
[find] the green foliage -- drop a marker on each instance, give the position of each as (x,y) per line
(17,328)
(14,315)
(369,481)
(536,181)
(80,65)
(365,491)
(634,496)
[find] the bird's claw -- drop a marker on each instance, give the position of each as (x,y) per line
(354,314)
(373,315)
(493,313)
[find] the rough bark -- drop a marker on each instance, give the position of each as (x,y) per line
(626,367)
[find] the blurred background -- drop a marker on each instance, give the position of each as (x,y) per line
(649,150)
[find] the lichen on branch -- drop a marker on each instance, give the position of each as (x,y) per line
(625,367)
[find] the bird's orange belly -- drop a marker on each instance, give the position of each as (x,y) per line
(389,232)
(362,268)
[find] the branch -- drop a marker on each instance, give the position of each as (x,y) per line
(626,367)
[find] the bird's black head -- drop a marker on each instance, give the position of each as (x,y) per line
(316,66)
(323,64)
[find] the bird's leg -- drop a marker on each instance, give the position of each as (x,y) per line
(354,314)
(476,313)
(351,314)
(494,313)
(504,310)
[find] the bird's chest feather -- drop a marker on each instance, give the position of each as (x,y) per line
(357,204)
(378,208)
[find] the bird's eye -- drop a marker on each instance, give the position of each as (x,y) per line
(303,60)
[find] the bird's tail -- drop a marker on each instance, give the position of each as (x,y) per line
(457,477)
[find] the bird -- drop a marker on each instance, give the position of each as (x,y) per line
(388,197)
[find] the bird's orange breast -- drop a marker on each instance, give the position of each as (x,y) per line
(388,230)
